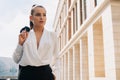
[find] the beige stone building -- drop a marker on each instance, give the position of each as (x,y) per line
(89,39)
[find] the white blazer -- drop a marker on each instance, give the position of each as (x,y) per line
(29,54)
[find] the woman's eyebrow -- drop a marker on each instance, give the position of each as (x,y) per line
(40,13)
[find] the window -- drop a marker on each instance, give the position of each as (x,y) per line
(76,17)
(74,26)
(81,20)
(85,11)
(96,2)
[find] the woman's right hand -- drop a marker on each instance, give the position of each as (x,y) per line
(22,37)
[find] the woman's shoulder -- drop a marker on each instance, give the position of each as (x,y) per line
(53,34)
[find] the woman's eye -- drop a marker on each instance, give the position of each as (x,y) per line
(39,14)
(44,14)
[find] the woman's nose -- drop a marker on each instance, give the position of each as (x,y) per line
(41,17)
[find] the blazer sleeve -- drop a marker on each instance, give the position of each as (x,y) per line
(56,48)
(18,53)
(55,52)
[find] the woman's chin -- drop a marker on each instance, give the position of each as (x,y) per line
(41,25)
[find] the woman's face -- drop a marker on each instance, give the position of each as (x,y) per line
(39,16)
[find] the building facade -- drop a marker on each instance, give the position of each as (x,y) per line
(89,39)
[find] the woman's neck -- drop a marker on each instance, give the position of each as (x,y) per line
(38,29)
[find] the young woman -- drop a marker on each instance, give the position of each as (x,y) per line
(36,49)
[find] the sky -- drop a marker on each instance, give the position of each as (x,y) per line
(14,14)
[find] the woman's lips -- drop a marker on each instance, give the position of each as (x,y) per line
(41,21)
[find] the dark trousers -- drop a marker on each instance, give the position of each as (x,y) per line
(35,73)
